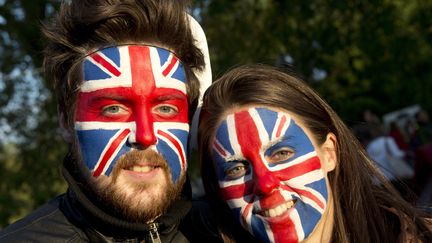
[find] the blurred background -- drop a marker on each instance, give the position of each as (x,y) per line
(371,60)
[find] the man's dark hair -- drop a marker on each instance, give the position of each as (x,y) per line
(84,26)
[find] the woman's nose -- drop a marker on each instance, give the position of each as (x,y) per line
(265,182)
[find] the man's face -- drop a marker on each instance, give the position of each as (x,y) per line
(132,124)
(269,174)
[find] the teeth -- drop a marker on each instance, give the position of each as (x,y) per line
(272,212)
(279,210)
(289,204)
(142,169)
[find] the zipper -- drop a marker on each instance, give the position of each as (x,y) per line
(153,233)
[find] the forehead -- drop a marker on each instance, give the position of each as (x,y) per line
(264,125)
(128,65)
(267,117)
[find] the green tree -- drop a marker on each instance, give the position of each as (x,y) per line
(30,147)
(358,54)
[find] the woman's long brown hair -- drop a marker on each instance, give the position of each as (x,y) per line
(367,207)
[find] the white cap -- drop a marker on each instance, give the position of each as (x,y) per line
(204,76)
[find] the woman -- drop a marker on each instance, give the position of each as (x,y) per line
(277,160)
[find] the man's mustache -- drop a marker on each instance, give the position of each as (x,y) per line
(147,157)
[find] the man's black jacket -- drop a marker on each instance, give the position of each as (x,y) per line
(73,217)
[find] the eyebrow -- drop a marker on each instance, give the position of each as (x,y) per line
(277,141)
(170,97)
(109,96)
(234,158)
(272,143)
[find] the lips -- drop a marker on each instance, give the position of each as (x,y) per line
(278,210)
(142,169)
(143,172)
(141,161)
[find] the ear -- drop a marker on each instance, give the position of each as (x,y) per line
(64,132)
(328,149)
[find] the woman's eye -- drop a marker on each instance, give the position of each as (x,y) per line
(166,110)
(281,155)
(236,171)
(113,110)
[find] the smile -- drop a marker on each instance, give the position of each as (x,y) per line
(143,172)
(142,169)
(278,210)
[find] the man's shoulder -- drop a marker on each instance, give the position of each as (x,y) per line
(45,224)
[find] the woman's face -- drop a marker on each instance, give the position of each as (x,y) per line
(271,174)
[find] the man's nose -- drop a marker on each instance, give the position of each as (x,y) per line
(265,181)
(144,129)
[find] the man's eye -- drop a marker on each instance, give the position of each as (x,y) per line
(113,110)
(280,155)
(236,171)
(166,110)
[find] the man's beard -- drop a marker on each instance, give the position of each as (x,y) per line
(132,200)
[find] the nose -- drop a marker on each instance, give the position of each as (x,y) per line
(265,182)
(144,134)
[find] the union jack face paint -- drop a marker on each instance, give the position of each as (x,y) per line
(132,96)
(269,174)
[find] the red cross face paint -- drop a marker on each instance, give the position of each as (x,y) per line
(132,97)
(269,174)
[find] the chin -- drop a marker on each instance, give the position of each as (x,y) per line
(142,194)
(138,201)
(139,188)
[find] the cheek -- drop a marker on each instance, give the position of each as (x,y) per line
(172,145)
(100,149)
(301,171)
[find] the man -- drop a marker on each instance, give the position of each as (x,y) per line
(125,74)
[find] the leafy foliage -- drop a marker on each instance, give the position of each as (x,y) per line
(356,53)
(30,148)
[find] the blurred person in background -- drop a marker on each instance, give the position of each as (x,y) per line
(399,137)
(381,148)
